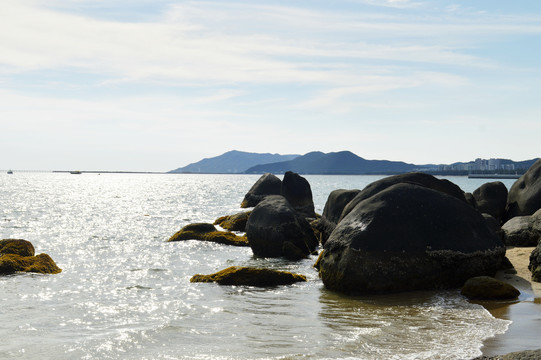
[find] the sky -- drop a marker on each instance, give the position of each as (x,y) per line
(153,85)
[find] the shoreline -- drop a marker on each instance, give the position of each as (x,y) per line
(525,313)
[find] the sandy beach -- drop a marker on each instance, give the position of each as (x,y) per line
(525,313)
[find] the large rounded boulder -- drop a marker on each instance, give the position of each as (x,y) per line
(298,193)
(336,202)
(409,237)
(491,198)
(525,195)
(421,179)
(274,229)
(267,184)
(523,231)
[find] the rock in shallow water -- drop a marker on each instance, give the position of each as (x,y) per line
(207,232)
(489,288)
(267,184)
(274,222)
(409,237)
(248,276)
(17,255)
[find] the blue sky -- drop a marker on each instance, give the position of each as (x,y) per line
(154,85)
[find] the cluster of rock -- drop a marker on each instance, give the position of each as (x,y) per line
(276,227)
(405,232)
(17,255)
(401,233)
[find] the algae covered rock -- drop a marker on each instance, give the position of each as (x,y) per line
(274,222)
(525,195)
(488,288)
(17,246)
(235,222)
(409,237)
(17,255)
(250,277)
(208,232)
(13,263)
(267,184)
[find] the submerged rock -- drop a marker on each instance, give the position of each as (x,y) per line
(491,198)
(409,237)
(207,232)
(298,193)
(235,222)
(268,184)
(525,195)
(250,277)
(274,222)
(17,255)
(489,288)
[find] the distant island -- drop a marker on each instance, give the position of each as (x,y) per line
(342,163)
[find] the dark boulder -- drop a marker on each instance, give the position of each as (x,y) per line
(297,191)
(535,263)
(494,225)
(491,198)
(523,230)
(268,184)
(248,276)
(408,237)
(525,195)
(488,288)
(273,222)
(420,179)
(207,232)
(235,222)
(336,202)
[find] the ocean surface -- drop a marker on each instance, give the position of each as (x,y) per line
(124,292)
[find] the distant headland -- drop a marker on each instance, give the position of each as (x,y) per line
(344,163)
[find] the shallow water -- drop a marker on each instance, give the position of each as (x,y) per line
(124,292)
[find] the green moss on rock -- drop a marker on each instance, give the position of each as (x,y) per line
(16,246)
(236,222)
(248,276)
(207,232)
(13,263)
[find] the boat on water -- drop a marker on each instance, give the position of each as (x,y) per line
(493,176)
(75,172)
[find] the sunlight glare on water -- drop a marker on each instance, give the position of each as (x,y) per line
(124,292)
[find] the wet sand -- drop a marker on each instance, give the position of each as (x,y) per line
(525,313)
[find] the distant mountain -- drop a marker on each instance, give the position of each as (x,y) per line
(232,162)
(343,162)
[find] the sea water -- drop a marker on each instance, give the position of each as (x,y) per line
(124,292)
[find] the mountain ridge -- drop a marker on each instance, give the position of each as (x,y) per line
(338,163)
